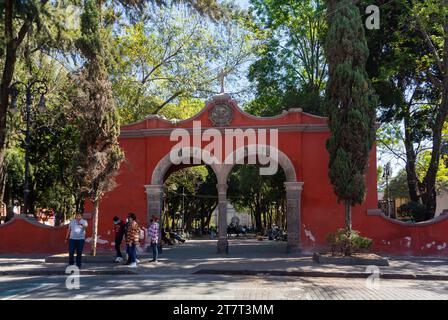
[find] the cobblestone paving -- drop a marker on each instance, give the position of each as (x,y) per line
(344,289)
(172,278)
(218,287)
(244,254)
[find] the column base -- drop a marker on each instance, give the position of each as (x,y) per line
(223,246)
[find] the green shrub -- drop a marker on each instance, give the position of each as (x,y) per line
(344,242)
(416,211)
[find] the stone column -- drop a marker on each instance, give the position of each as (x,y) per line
(223,244)
(154,206)
(293,197)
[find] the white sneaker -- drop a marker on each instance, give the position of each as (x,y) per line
(132,265)
(136,260)
(118,259)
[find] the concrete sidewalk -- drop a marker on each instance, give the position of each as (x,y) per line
(246,257)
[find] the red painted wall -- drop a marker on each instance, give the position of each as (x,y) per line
(22,236)
(320,212)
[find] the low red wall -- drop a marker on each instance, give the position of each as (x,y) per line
(394,237)
(23,235)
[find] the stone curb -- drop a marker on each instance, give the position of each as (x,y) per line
(322,274)
(59,272)
(316,274)
(90,259)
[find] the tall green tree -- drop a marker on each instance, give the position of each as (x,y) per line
(350,102)
(174,55)
(23,22)
(99,155)
(290,70)
(408,66)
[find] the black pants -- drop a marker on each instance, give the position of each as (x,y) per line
(118,241)
(75,245)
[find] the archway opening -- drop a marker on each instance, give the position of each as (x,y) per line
(260,200)
(189,200)
(222,171)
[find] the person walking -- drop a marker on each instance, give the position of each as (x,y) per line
(132,239)
(119,231)
(76,235)
(154,237)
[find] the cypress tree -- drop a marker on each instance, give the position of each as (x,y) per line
(350,103)
(99,152)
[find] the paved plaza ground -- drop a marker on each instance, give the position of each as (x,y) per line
(252,270)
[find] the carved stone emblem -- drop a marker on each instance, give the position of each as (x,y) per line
(221,115)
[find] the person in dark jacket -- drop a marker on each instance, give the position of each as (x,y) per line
(119,231)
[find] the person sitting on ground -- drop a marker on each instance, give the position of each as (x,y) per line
(176,236)
(119,231)
(165,238)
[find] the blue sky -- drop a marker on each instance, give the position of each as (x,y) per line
(243,3)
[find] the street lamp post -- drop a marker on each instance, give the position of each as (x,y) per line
(31,88)
(183,208)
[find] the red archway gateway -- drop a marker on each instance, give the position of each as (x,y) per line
(312,211)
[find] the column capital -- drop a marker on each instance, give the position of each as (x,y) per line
(153,188)
(294,186)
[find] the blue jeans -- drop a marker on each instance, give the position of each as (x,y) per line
(155,251)
(132,253)
(73,245)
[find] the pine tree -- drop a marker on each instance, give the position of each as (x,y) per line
(350,103)
(99,153)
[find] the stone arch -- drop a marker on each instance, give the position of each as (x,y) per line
(165,163)
(154,190)
(293,187)
(241,153)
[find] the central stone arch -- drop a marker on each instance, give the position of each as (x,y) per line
(293,188)
(194,153)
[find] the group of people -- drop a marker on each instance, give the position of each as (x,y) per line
(129,231)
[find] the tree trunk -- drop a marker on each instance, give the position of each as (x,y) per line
(209,214)
(429,182)
(8,72)
(412,179)
(9,203)
(79,203)
(12,44)
(348,229)
(258,223)
(348,217)
(95,226)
